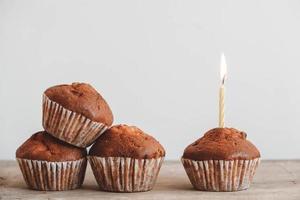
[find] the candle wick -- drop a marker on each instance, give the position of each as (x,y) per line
(223,80)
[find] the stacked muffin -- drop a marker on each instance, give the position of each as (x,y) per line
(74,116)
(50,164)
(125,159)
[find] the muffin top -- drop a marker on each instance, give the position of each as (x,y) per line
(42,146)
(81,98)
(127,141)
(222,144)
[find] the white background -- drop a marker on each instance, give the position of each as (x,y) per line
(157,64)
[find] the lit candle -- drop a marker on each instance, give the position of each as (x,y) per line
(223,75)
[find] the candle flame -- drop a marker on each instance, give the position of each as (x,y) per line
(223,69)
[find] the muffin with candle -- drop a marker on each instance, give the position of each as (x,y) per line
(50,164)
(125,159)
(222,160)
(76,113)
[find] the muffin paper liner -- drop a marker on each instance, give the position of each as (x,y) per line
(120,174)
(69,126)
(44,175)
(220,175)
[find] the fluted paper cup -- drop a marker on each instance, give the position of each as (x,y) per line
(119,174)
(69,126)
(44,175)
(220,175)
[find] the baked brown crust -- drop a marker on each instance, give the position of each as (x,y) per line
(42,146)
(82,98)
(222,144)
(127,141)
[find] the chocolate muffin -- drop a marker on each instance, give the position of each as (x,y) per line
(50,164)
(125,153)
(127,141)
(222,160)
(222,144)
(76,113)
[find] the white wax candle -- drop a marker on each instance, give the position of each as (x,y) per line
(223,75)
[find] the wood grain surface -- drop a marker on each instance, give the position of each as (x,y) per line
(273,180)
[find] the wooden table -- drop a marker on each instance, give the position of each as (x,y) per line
(274,180)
